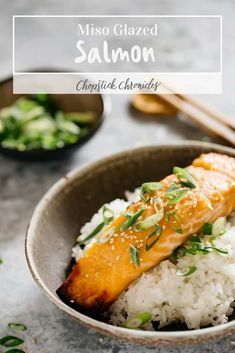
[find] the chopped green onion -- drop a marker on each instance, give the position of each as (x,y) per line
(148,223)
(138,320)
(34,122)
(175,194)
(153,220)
(207,229)
(219,250)
(157,232)
(158,206)
(172,187)
(178,253)
(196,246)
(81,118)
(132,219)
(127,214)
(185,177)
(10,341)
(174,222)
(218,227)
(93,233)
(148,188)
(41,97)
(187,272)
(195,239)
(16,326)
(208,202)
(14,350)
(108,215)
(135,255)
(1,261)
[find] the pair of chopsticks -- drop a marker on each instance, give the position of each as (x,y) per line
(207,118)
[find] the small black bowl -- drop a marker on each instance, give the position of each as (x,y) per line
(66,103)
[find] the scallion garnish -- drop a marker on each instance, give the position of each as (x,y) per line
(17,326)
(138,320)
(135,255)
(127,214)
(157,232)
(194,239)
(175,194)
(174,222)
(218,227)
(1,261)
(108,216)
(158,206)
(185,177)
(187,272)
(208,202)
(207,229)
(14,350)
(152,220)
(147,188)
(92,234)
(178,253)
(150,187)
(132,218)
(10,341)
(148,223)
(195,246)
(219,250)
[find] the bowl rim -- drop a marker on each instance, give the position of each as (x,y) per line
(134,336)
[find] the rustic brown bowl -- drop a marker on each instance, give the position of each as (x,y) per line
(72,201)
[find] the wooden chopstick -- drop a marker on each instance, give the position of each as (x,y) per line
(200,116)
(207,110)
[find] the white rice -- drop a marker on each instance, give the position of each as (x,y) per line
(203,298)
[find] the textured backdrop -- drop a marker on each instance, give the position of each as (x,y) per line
(22,184)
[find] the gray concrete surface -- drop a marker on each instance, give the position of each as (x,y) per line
(22,184)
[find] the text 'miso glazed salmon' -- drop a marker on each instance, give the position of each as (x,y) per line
(151,229)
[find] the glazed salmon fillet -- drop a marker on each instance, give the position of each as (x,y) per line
(108,267)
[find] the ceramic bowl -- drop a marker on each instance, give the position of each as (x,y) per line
(72,201)
(66,102)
